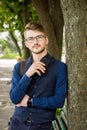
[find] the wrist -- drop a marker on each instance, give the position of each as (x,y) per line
(28,74)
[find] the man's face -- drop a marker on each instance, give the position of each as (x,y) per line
(36,41)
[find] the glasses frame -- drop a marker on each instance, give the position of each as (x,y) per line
(38,38)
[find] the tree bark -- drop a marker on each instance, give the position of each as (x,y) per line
(16,43)
(56,15)
(75,19)
(45,12)
(25,19)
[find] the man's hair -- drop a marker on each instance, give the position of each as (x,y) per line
(34,26)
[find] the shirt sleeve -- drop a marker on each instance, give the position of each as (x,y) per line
(19,85)
(57,100)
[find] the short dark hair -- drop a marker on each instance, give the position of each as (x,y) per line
(34,26)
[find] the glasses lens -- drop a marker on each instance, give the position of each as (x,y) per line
(31,39)
(40,37)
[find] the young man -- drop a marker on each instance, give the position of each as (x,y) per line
(43,86)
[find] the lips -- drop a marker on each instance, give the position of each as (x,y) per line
(36,46)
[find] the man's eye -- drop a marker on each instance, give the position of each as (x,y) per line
(39,36)
(30,38)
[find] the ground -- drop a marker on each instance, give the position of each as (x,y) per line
(6,106)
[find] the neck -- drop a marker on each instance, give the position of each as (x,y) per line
(38,57)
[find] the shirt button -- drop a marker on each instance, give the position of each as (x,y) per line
(30,113)
(35,86)
(33,96)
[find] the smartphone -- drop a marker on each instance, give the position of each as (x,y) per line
(45,60)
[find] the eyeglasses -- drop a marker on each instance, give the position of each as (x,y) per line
(38,38)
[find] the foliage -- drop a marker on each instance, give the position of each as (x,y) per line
(13,14)
(10,14)
(9,54)
(3,44)
(7,44)
(58,111)
(32,11)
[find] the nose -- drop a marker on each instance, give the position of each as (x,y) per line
(35,40)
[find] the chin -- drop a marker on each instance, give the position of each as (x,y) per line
(39,51)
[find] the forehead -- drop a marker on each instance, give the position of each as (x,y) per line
(31,33)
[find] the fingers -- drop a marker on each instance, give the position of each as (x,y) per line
(36,67)
(40,68)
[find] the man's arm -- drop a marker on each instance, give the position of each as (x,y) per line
(19,85)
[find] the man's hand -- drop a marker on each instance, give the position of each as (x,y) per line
(23,103)
(36,67)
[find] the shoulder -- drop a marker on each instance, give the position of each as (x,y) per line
(59,66)
(58,62)
(17,67)
(19,63)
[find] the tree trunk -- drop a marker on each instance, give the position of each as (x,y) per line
(25,19)
(16,43)
(56,15)
(45,12)
(75,18)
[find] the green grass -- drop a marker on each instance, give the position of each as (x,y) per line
(10,56)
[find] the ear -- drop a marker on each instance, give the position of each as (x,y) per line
(47,40)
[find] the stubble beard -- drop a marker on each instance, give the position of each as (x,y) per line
(39,52)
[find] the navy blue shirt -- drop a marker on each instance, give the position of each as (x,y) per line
(48,91)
